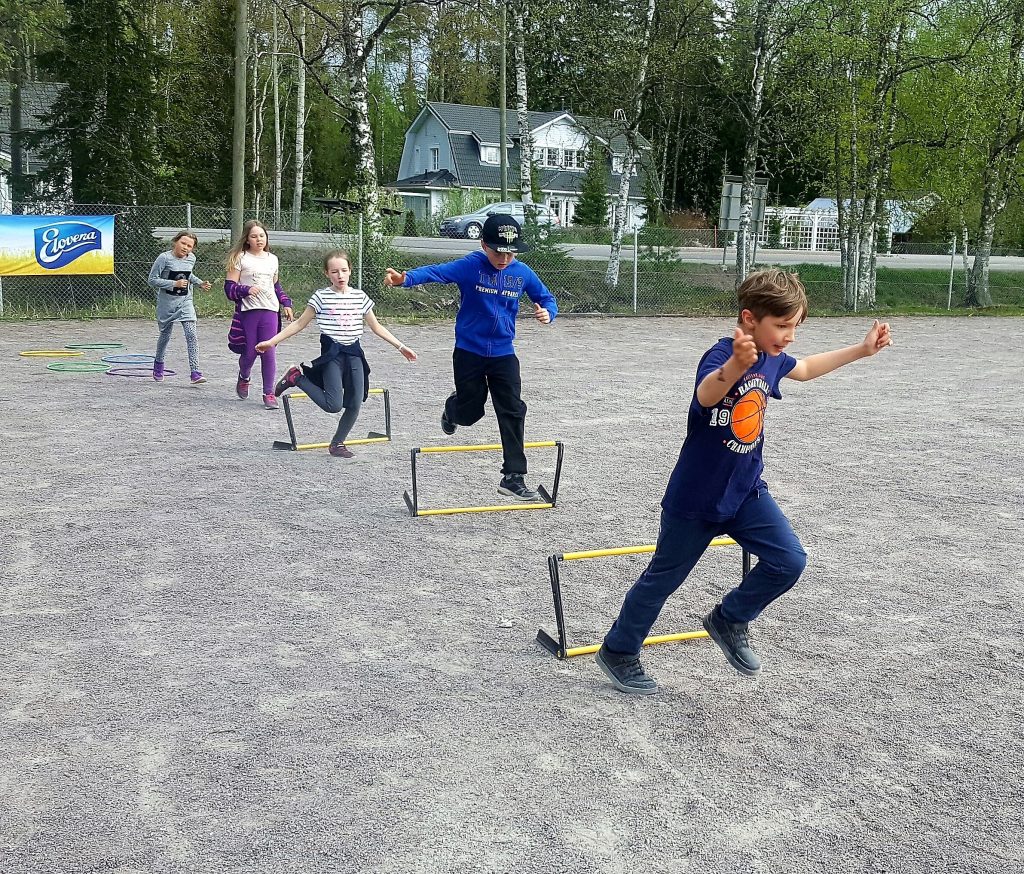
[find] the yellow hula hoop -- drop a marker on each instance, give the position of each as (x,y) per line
(49,353)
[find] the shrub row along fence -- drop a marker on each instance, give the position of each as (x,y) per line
(656,282)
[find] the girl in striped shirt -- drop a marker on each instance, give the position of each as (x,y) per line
(340,378)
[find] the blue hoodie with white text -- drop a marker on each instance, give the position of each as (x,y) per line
(489,300)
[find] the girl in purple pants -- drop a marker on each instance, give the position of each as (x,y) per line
(252,283)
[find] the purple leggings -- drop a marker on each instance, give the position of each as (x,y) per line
(259,325)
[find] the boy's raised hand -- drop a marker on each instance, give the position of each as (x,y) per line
(744,349)
(877,338)
(394,278)
(541,314)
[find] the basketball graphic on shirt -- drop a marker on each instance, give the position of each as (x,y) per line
(748,416)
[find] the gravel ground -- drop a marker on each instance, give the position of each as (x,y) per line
(220,658)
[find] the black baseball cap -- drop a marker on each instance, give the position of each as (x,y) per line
(503,234)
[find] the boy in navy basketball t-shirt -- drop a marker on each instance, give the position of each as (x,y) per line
(716,485)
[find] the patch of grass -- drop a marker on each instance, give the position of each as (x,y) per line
(664,287)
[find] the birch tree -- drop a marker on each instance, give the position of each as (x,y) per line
(1002,147)
(759,31)
(300,117)
(338,64)
(519,17)
(630,125)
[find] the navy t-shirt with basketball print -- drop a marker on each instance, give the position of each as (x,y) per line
(340,316)
(720,462)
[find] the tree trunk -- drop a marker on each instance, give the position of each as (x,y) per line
(979,294)
(278,150)
(611,278)
(366,163)
(300,123)
(762,52)
(519,12)
(677,143)
(999,170)
(18,180)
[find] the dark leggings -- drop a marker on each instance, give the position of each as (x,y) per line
(331,397)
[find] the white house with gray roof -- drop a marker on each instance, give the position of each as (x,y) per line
(37,101)
(451,146)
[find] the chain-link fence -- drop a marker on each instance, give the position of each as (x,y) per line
(663,270)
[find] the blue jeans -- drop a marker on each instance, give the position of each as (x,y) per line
(759,527)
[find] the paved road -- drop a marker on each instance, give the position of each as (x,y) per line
(442,247)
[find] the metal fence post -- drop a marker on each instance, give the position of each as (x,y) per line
(188,216)
(636,263)
(952,262)
(360,279)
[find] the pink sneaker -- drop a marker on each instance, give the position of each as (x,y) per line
(270,402)
(340,450)
(288,380)
(242,388)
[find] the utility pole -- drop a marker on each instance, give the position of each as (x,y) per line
(503,124)
(238,134)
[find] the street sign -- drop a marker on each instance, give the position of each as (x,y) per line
(729,213)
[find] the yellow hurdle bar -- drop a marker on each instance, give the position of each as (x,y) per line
(559,646)
(358,442)
(549,499)
(648,641)
(448,511)
(373,437)
(298,395)
(484,447)
(631,550)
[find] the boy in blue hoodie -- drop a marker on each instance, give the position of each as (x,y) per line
(491,283)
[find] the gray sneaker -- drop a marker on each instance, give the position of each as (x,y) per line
(447,425)
(513,486)
(625,672)
(732,638)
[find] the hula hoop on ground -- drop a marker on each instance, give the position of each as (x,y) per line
(77,366)
(146,372)
(48,353)
(94,346)
(127,359)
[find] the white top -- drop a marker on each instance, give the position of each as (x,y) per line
(340,316)
(258,271)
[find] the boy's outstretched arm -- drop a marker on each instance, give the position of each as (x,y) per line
(717,384)
(814,366)
(452,271)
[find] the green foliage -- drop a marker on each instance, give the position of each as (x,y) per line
(331,165)
(592,208)
(193,107)
(410,229)
(459,201)
(101,131)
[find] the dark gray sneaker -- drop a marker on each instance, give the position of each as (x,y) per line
(447,425)
(625,672)
(733,640)
(513,486)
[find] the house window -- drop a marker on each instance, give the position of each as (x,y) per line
(435,158)
(551,157)
(575,159)
(618,161)
(490,154)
